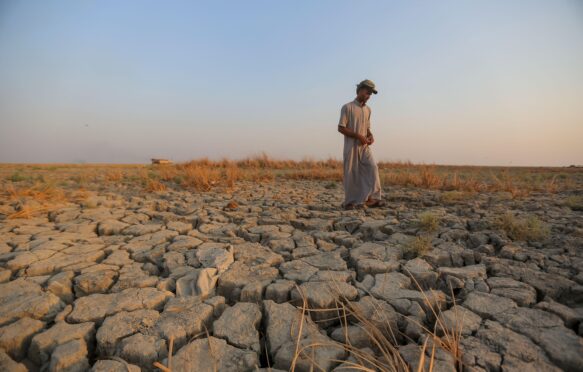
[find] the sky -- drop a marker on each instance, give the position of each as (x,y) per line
(479,82)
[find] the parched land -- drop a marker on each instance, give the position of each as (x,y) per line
(250,265)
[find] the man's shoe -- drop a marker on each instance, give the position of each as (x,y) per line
(376,203)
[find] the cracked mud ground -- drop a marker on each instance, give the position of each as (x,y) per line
(106,287)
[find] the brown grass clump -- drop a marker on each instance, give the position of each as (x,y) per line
(33,200)
(258,175)
(166,172)
(114,176)
(39,192)
(428,221)
(198,177)
(155,186)
(417,247)
(575,202)
(454,196)
(318,174)
(232,175)
(529,228)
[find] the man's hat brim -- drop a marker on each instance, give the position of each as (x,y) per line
(367,86)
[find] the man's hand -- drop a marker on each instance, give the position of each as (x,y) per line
(369,137)
(363,140)
(347,132)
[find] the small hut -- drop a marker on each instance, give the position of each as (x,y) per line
(161,161)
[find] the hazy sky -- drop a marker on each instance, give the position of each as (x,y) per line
(460,82)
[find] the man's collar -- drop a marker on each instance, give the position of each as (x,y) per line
(358,103)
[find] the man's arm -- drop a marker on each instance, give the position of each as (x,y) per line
(349,133)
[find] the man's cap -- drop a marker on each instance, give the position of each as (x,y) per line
(368,84)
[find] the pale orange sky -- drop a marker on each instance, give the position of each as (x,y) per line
(481,82)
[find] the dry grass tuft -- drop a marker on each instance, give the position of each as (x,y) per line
(454,196)
(114,176)
(450,341)
(529,228)
(417,247)
(166,172)
(575,202)
(232,175)
(155,186)
(383,338)
(198,177)
(39,198)
(428,221)
(389,360)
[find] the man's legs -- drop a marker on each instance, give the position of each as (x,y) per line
(375,197)
(351,181)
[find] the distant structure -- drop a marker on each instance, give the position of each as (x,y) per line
(161,161)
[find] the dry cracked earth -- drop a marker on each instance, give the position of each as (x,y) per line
(106,287)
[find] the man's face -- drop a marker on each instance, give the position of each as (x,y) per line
(363,94)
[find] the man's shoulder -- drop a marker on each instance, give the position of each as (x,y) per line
(347,105)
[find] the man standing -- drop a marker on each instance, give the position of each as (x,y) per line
(362,185)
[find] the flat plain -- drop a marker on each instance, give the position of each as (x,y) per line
(250,265)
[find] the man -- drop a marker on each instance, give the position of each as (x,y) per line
(362,185)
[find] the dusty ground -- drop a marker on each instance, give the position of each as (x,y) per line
(111,278)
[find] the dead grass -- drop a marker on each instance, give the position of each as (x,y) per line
(417,247)
(232,175)
(197,177)
(166,172)
(528,228)
(30,201)
(389,359)
(575,202)
(379,331)
(114,176)
(452,335)
(315,174)
(167,368)
(205,174)
(382,337)
(155,186)
(428,221)
(455,196)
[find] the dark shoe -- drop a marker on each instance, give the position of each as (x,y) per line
(351,207)
(376,203)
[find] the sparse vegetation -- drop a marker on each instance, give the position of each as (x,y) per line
(114,176)
(380,332)
(454,196)
(575,202)
(417,247)
(155,186)
(28,201)
(16,177)
(432,338)
(456,183)
(529,228)
(428,221)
